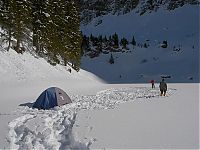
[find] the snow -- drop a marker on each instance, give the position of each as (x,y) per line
(145,123)
(140,65)
(101,115)
(171,25)
(105,116)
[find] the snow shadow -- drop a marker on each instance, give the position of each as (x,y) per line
(120,77)
(30,105)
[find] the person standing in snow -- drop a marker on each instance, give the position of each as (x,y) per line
(152,84)
(163,87)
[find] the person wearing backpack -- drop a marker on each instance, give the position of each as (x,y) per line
(163,87)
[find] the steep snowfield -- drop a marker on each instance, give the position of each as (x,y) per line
(26,67)
(179,27)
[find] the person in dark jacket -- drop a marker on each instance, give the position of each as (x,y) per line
(163,87)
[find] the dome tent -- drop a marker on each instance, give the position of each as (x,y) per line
(51,97)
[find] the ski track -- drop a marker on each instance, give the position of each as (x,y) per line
(52,129)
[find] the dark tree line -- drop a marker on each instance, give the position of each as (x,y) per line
(104,44)
(51,25)
(93,46)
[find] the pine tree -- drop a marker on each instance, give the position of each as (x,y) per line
(39,21)
(85,44)
(21,20)
(105,39)
(55,26)
(15,17)
(115,40)
(133,42)
(145,45)
(6,25)
(124,43)
(91,38)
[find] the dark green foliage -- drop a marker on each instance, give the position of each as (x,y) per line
(38,24)
(93,46)
(115,40)
(85,44)
(55,27)
(133,42)
(14,19)
(124,42)
(91,37)
(105,39)
(100,39)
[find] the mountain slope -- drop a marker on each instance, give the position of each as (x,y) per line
(180,59)
(91,9)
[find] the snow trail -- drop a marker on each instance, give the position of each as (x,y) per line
(52,129)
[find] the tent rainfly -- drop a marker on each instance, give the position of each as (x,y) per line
(51,97)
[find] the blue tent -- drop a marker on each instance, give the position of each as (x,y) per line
(50,98)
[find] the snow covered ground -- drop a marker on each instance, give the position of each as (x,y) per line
(146,122)
(107,116)
(101,116)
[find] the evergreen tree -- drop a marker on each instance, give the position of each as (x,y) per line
(55,26)
(85,44)
(21,20)
(57,30)
(124,43)
(6,25)
(15,16)
(39,21)
(100,39)
(105,39)
(133,42)
(145,45)
(115,40)
(91,38)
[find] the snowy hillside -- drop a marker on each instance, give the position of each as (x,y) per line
(180,59)
(91,9)
(96,109)
(27,67)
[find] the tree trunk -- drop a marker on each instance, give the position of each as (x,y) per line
(9,39)
(17,48)
(36,43)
